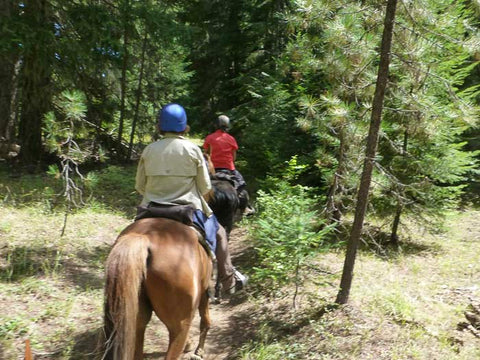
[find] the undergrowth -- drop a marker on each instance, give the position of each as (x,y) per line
(286,233)
(111,188)
(405,304)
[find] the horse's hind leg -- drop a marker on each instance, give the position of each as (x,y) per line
(178,336)
(204,324)
(143,318)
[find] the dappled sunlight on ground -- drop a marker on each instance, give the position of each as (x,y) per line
(406,305)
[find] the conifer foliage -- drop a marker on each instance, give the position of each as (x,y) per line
(296,77)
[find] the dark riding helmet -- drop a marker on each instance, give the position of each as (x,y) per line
(172,118)
(223,122)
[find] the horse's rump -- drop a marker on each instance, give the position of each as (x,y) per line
(224,203)
(155,264)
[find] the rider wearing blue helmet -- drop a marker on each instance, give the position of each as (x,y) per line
(172,171)
(173,118)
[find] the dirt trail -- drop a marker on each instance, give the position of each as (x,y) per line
(228,320)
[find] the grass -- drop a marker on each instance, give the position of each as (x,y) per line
(404,304)
(51,286)
(109,189)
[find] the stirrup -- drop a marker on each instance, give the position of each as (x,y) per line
(249,210)
(239,285)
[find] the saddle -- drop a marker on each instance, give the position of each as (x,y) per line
(181,213)
(226,175)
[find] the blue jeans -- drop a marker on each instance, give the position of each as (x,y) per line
(210,227)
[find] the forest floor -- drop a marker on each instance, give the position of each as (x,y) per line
(405,303)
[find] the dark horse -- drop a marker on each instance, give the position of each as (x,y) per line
(156,265)
(224,203)
(223,200)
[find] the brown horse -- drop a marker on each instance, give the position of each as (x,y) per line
(157,265)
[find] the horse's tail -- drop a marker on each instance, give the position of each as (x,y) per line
(126,268)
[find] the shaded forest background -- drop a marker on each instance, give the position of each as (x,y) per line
(82,82)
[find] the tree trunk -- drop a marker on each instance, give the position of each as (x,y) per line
(398,213)
(7,79)
(123,84)
(139,94)
(334,206)
(372,142)
(14,101)
(396,222)
(35,84)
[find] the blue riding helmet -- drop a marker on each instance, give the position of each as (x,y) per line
(172,118)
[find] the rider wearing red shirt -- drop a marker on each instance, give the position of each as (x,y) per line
(222,148)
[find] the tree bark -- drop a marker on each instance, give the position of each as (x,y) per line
(7,78)
(139,94)
(35,80)
(398,213)
(396,223)
(123,84)
(372,142)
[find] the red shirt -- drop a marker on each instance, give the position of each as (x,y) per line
(221,145)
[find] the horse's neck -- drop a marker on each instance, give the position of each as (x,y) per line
(211,168)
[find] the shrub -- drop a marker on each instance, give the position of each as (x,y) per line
(287,231)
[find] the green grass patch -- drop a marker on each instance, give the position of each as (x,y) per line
(108,189)
(404,304)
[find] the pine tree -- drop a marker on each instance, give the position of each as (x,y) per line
(424,163)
